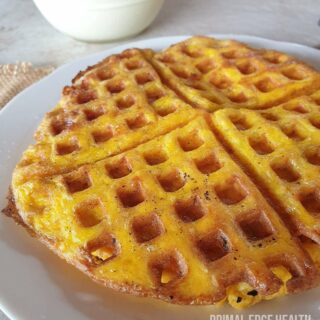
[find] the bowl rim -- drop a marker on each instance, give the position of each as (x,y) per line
(98,4)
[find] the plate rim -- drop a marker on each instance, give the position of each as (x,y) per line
(130,44)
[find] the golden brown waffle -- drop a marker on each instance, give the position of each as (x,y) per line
(279,162)
(177,212)
(111,107)
(298,119)
(213,74)
(130,182)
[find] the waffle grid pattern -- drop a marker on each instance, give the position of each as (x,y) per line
(279,162)
(213,74)
(194,190)
(128,172)
(120,97)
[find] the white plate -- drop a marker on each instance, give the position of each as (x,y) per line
(34,283)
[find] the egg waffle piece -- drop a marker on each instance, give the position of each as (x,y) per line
(174,218)
(298,118)
(214,74)
(111,107)
(283,161)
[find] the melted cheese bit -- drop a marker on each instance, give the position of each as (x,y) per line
(242,295)
(239,298)
(103,253)
(167,276)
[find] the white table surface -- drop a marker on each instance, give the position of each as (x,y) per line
(26,36)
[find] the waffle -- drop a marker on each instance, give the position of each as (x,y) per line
(284,166)
(127,210)
(212,74)
(120,97)
(154,176)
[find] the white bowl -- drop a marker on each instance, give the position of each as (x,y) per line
(99,20)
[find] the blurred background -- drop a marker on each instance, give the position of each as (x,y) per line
(25,35)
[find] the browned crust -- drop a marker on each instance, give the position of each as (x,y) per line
(11,211)
(113,57)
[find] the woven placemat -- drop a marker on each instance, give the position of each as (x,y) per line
(16,77)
